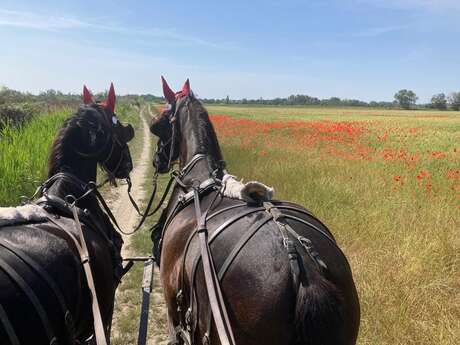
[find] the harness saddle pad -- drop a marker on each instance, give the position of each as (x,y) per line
(22,214)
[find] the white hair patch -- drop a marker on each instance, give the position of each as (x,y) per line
(251,191)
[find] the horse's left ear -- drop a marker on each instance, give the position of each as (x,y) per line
(87,97)
(186,88)
(111,99)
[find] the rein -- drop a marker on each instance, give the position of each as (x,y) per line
(216,300)
(147,212)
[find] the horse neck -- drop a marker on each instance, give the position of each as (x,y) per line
(65,159)
(198,137)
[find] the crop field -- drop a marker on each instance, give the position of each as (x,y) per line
(387,183)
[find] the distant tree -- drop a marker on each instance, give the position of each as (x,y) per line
(9,96)
(227,100)
(333,101)
(406,98)
(454,100)
(439,101)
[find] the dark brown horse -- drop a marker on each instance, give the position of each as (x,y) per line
(44,295)
(283,277)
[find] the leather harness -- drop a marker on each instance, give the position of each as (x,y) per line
(272,212)
(56,207)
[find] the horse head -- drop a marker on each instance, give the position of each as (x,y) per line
(164,126)
(103,136)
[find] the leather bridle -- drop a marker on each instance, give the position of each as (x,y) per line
(171,142)
(112,139)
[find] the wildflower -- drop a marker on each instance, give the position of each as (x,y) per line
(453,174)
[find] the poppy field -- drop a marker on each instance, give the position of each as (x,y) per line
(387,184)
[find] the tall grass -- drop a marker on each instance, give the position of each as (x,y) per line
(398,227)
(24,155)
(24,151)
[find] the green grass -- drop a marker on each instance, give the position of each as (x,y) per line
(400,235)
(24,151)
(269,113)
(24,155)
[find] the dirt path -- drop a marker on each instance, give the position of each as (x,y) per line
(126,317)
(121,206)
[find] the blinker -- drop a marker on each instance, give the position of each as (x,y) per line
(128,132)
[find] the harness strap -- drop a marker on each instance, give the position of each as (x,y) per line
(144,216)
(32,298)
(71,240)
(189,241)
(288,216)
(287,242)
(48,279)
(84,255)
(190,165)
(163,198)
(8,327)
(63,207)
(133,202)
(219,311)
(82,249)
(307,244)
(241,243)
(234,253)
(214,235)
(147,285)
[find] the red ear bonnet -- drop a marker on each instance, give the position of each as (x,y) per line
(186,88)
(167,92)
(87,97)
(111,99)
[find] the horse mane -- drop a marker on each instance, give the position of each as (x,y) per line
(59,146)
(207,138)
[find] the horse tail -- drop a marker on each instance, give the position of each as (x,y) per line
(319,310)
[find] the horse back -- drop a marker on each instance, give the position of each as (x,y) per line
(48,270)
(260,292)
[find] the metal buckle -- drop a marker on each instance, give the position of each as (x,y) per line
(179,300)
(188,319)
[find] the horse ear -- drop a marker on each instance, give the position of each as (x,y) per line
(111,99)
(87,97)
(169,94)
(186,88)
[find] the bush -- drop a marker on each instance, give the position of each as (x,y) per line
(15,115)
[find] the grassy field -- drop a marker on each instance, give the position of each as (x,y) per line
(387,183)
(24,151)
(24,154)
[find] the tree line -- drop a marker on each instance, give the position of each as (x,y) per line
(406,99)
(301,100)
(55,97)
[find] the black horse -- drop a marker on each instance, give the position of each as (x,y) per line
(44,294)
(284,279)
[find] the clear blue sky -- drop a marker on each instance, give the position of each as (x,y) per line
(365,49)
